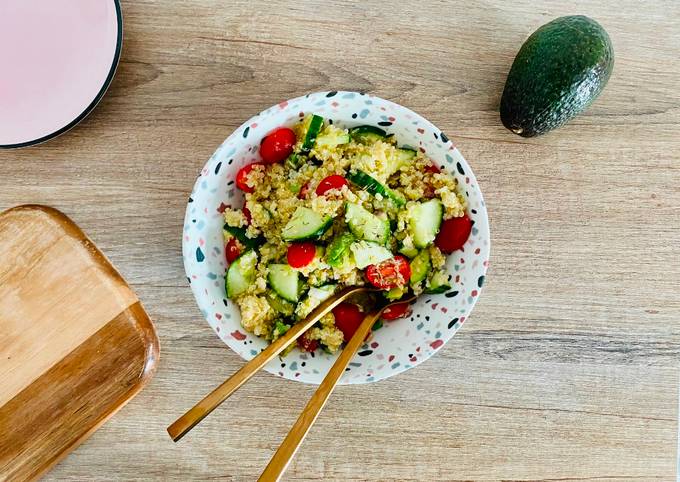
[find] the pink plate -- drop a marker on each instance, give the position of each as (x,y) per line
(58,59)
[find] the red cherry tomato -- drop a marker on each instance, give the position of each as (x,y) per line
(348,317)
(396,311)
(390,273)
(301,254)
(306,344)
(278,145)
(453,234)
(335,181)
(304,190)
(433,169)
(232,250)
(247,214)
(242,177)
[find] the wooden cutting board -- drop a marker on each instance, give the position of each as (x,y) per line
(75,342)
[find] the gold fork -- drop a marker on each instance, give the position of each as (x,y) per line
(279,462)
(211,401)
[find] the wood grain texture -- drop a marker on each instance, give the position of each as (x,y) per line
(568,367)
(284,454)
(75,343)
(53,294)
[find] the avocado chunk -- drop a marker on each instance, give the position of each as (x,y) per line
(559,71)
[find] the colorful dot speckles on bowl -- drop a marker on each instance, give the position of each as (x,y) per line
(398,345)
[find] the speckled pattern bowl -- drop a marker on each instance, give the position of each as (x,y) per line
(398,345)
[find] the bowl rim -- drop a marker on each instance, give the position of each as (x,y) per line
(483,213)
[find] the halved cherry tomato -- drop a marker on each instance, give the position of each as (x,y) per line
(304,190)
(301,254)
(247,214)
(306,344)
(396,311)
(232,250)
(390,273)
(453,234)
(278,145)
(334,181)
(433,169)
(242,177)
(348,317)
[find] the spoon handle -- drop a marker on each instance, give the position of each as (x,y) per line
(211,401)
(291,443)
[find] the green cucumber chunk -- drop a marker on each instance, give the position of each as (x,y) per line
(367,134)
(399,158)
(241,274)
(420,267)
(372,185)
(395,293)
(333,138)
(315,296)
(366,253)
(439,283)
(338,249)
(284,280)
(278,304)
(405,155)
(305,225)
(408,251)
(366,225)
(425,219)
(313,125)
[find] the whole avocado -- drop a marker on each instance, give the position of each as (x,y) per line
(559,71)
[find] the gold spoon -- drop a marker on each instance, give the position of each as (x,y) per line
(211,401)
(279,462)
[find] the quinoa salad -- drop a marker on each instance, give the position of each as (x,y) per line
(327,208)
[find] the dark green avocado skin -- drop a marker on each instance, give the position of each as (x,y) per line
(559,71)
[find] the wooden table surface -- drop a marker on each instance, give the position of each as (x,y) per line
(568,367)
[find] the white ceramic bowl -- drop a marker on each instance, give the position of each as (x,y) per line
(398,345)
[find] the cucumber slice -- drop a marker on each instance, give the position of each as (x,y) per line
(395,293)
(397,159)
(420,267)
(405,155)
(322,293)
(338,249)
(306,225)
(439,283)
(366,253)
(333,138)
(241,274)
(372,185)
(284,280)
(278,304)
(315,296)
(425,219)
(366,225)
(312,127)
(240,234)
(367,134)
(408,251)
